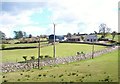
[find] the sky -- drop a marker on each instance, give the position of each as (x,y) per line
(36,17)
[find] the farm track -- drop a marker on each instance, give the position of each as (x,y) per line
(11,67)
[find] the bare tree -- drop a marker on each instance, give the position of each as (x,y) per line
(104,30)
(113,34)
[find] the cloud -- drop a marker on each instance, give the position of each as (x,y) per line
(72,16)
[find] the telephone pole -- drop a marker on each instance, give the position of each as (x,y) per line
(93,50)
(54,52)
(39,53)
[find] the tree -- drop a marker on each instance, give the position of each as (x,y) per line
(113,34)
(82,37)
(104,30)
(75,34)
(78,34)
(30,35)
(95,32)
(2,35)
(24,34)
(19,34)
(69,34)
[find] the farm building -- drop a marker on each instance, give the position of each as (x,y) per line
(73,38)
(90,38)
(57,38)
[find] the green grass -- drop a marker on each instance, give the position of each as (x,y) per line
(104,67)
(117,37)
(62,50)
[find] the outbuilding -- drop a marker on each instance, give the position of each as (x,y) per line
(57,38)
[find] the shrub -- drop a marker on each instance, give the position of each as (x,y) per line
(47,56)
(27,76)
(39,75)
(5,80)
(3,76)
(25,58)
(62,79)
(18,79)
(41,57)
(73,73)
(21,74)
(69,74)
(32,71)
(3,46)
(89,74)
(61,75)
(44,74)
(83,77)
(32,57)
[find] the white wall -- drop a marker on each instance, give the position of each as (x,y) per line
(90,38)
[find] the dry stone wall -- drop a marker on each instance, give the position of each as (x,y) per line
(11,67)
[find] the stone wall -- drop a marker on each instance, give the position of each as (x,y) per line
(11,67)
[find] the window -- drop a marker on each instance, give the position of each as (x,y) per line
(87,39)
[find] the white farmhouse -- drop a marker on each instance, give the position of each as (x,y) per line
(90,38)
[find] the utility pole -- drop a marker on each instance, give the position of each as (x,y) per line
(93,46)
(54,42)
(93,50)
(39,53)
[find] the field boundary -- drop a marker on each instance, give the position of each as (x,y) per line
(103,44)
(11,67)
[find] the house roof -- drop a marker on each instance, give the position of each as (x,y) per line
(73,37)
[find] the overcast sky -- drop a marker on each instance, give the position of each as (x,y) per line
(72,16)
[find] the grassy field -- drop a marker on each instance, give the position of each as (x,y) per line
(62,50)
(99,69)
(117,37)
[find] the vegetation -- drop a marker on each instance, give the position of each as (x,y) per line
(104,30)
(3,46)
(25,58)
(19,34)
(113,34)
(62,50)
(100,69)
(116,38)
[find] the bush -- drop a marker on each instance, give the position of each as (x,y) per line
(39,75)
(61,75)
(44,74)
(27,76)
(32,57)
(3,76)
(73,73)
(25,58)
(5,80)
(21,74)
(47,56)
(41,57)
(18,79)
(3,46)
